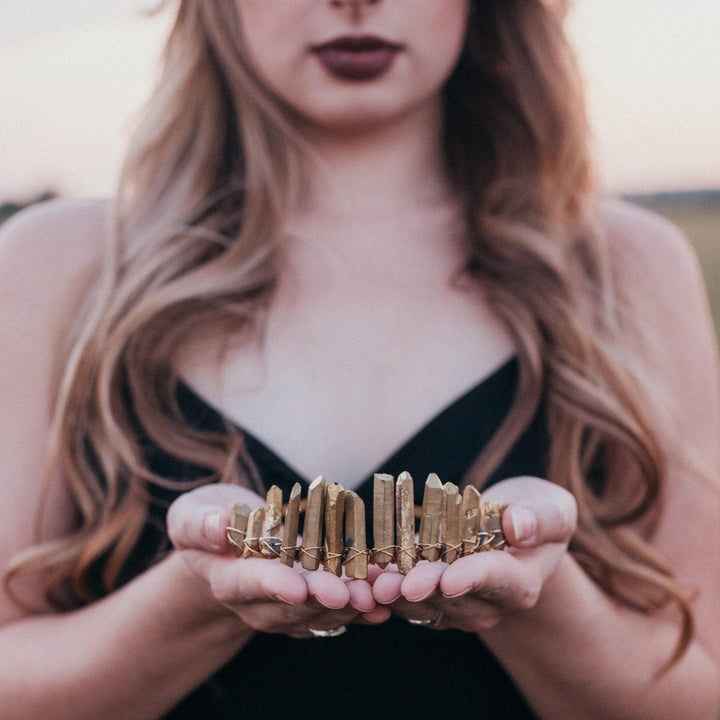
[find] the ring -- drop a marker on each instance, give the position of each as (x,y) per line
(334,632)
(432,623)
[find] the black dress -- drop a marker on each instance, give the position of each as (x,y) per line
(445,673)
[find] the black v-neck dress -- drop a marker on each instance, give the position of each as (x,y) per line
(395,670)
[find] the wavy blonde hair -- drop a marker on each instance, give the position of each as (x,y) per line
(213,167)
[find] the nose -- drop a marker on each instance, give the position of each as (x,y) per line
(356,7)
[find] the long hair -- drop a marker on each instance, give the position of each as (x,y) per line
(210,173)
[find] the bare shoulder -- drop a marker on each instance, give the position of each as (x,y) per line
(47,256)
(646,246)
(49,244)
(658,275)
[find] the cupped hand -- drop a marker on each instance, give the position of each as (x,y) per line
(477,592)
(265,594)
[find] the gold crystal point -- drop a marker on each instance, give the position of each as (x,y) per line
(430,519)
(405,522)
(292,523)
(237,530)
(334,541)
(383,519)
(356,562)
(313,526)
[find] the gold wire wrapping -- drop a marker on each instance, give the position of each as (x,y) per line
(481,524)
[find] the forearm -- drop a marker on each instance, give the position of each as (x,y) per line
(132,655)
(579,655)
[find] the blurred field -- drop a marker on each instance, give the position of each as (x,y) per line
(698,216)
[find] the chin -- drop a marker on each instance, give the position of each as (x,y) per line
(360,118)
(352,124)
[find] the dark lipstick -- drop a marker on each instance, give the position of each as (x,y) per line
(357,57)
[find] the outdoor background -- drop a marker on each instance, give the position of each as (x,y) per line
(74,74)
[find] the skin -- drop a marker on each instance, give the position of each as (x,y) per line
(295,75)
(380,228)
(266,598)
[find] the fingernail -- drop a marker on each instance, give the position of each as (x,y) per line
(285,600)
(524,525)
(462,592)
(211,526)
(391,601)
(420,598)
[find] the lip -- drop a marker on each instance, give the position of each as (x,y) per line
(357,57)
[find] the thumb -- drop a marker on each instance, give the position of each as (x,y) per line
(196,526)
(541,520)
(198,518)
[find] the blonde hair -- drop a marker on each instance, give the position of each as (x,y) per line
(212,169)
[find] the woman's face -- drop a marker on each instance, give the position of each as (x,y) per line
(349,64)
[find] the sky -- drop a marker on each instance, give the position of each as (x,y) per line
(74,75)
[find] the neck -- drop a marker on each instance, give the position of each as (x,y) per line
(378,170)
(378,205)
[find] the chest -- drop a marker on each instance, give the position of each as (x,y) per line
(344,376)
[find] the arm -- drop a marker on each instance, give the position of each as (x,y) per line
(137,652)
(572,650)
(659,275)
(98,660)
(132,655)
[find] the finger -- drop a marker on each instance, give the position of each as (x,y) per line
(377,616)
(331,619)
(387,590)
(422,581)
(277,618)
(539,512)
(361,595)
(387,587)
(326,589)
(470,614)
(238,581)
(295,620)
(198,519)
(198,527)
(419,612)
(496,578)
(374,572)
(533,524)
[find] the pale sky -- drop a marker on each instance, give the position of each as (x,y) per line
(74,73)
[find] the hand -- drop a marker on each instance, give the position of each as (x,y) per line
(477,592)
(265,594)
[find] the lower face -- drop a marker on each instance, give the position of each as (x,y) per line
(357,62)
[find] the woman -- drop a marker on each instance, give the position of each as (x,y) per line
(351,230)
